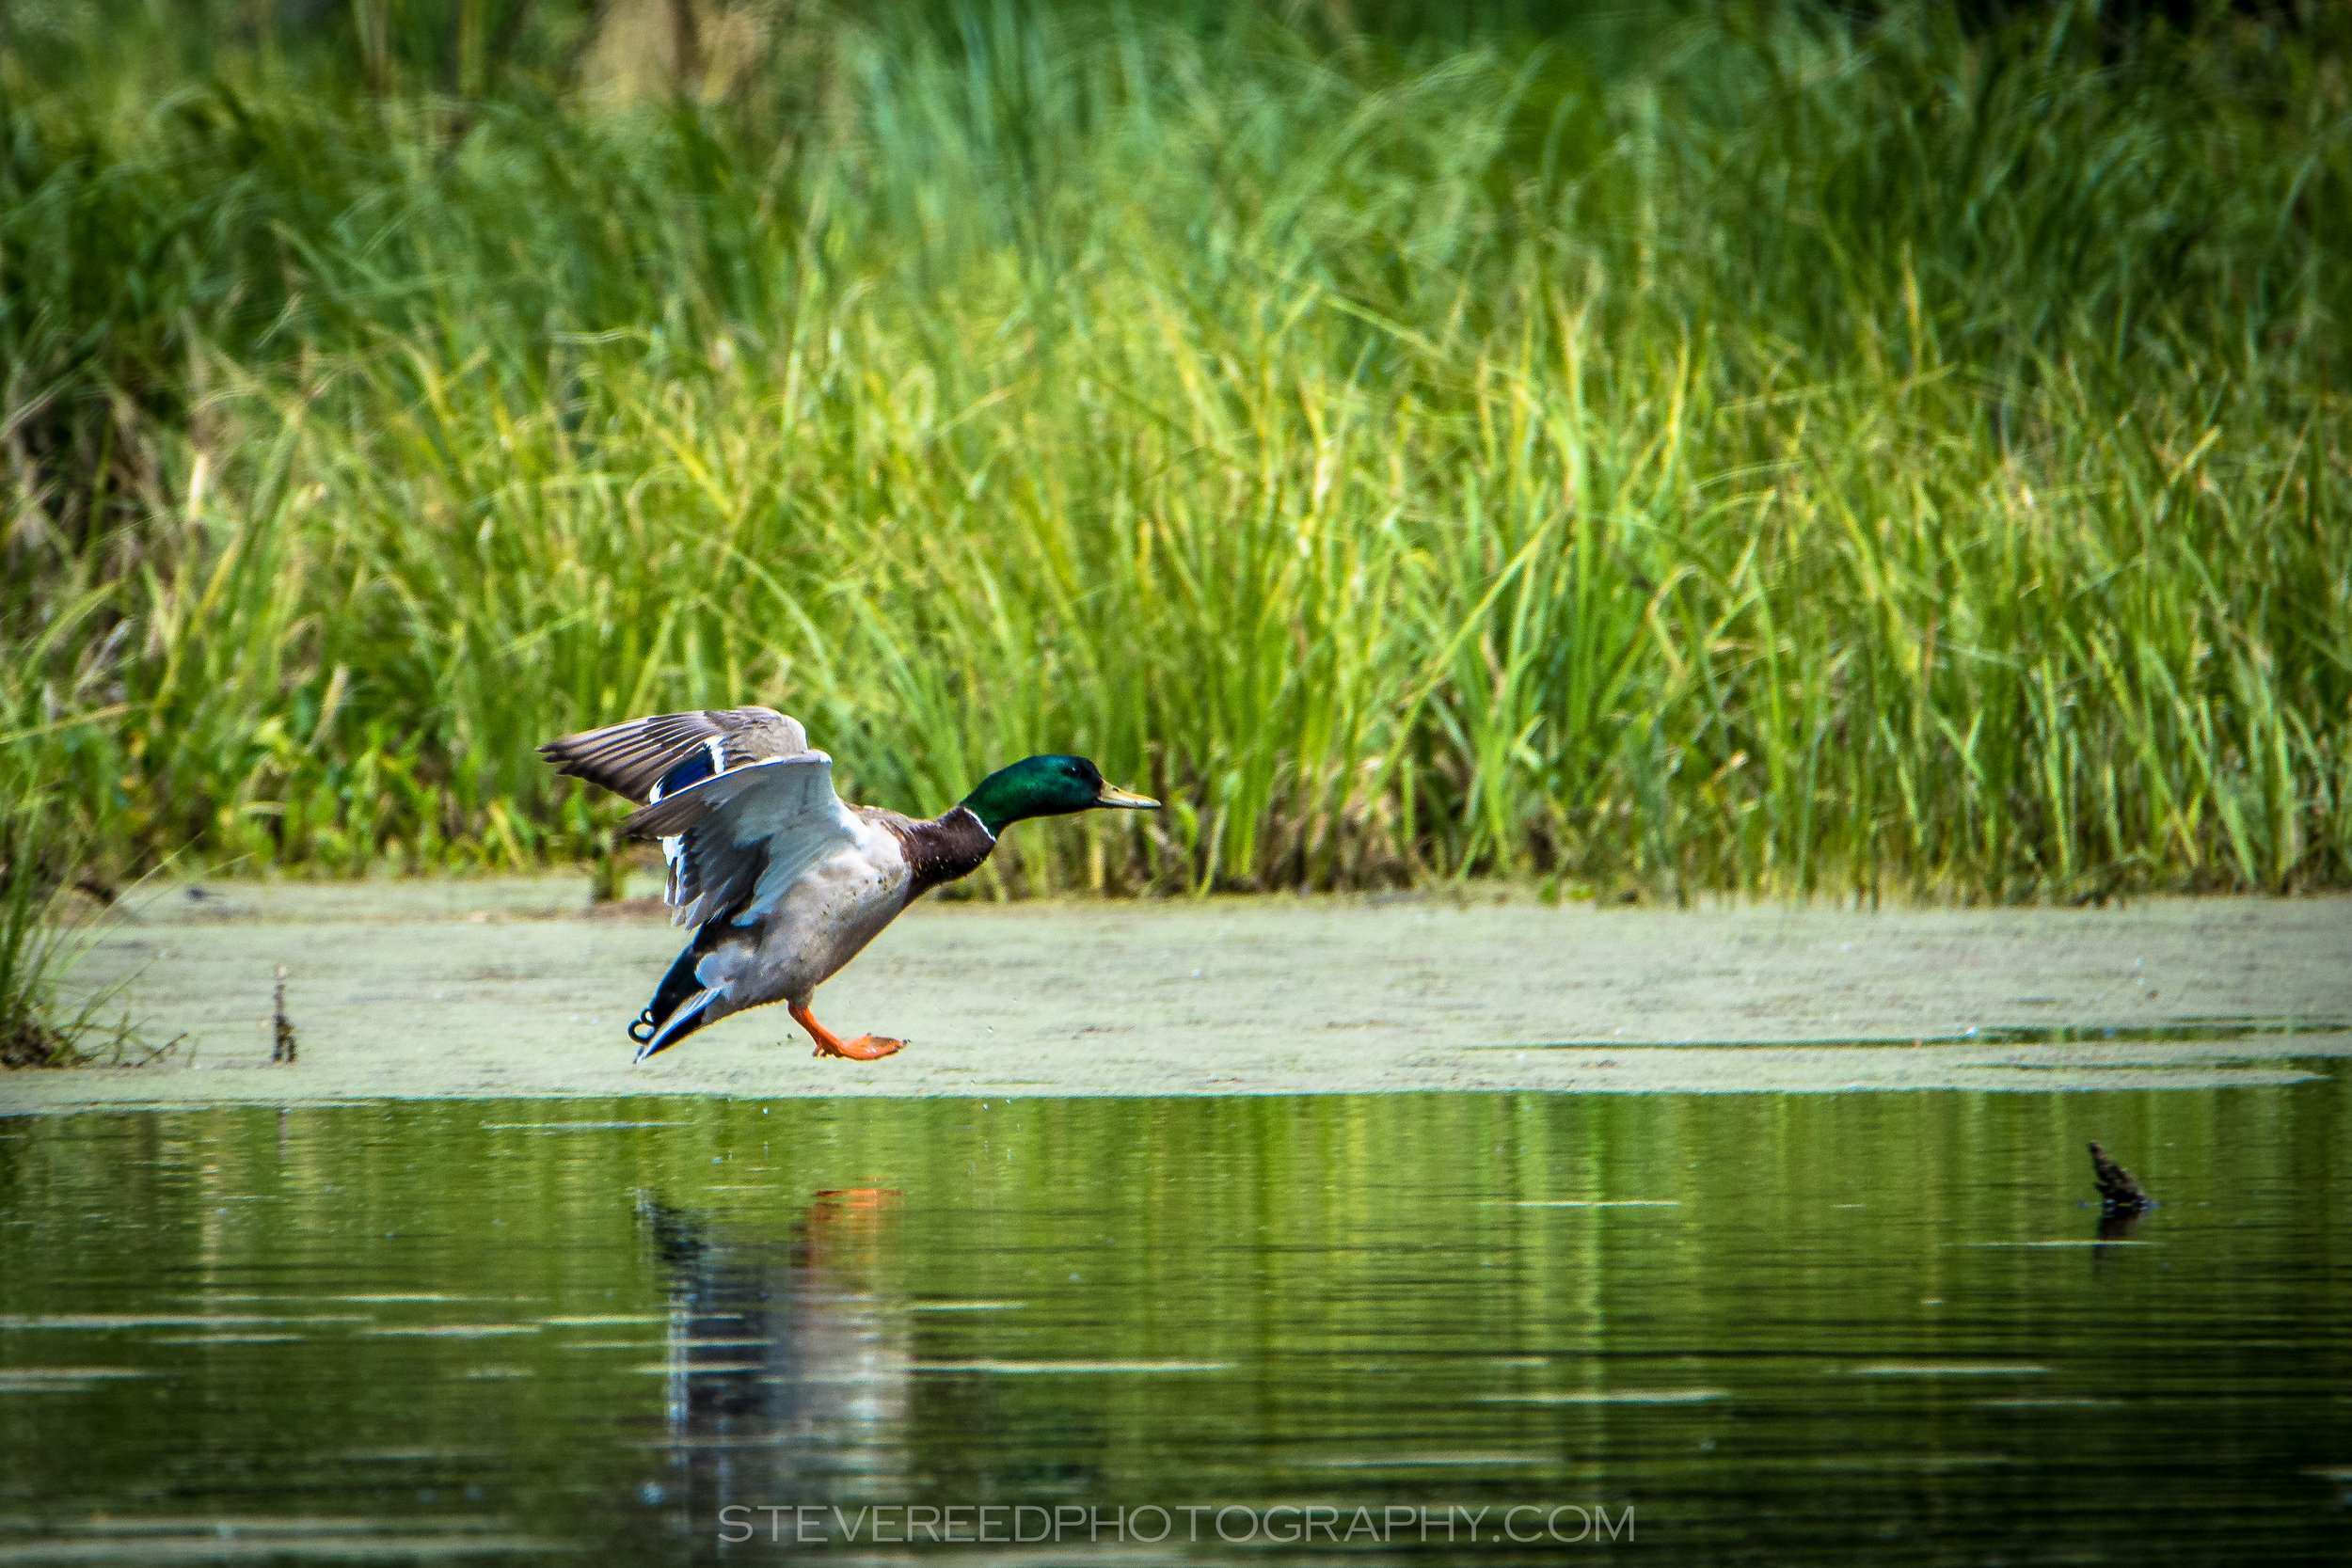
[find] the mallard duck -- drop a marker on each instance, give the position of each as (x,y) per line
(782,883)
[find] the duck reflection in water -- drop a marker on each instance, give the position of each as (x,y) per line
(790,1359)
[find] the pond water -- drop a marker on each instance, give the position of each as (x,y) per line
(1736,1327)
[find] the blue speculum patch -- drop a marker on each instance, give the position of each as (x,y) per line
(693,770)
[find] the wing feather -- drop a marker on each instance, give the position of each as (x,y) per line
(631,758)
(748,835)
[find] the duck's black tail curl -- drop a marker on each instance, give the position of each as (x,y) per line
(693,1015)
(671,994)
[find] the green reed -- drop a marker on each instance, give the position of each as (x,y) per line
(1758,449)
(46,1020)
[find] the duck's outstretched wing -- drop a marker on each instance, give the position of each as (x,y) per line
(637,758)
(747,836)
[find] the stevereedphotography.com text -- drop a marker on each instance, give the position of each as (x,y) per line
(1278,1524)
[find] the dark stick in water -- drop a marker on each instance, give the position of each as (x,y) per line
(282,1046)
(2118,1190)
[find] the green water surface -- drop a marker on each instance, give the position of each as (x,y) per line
(1787,1328)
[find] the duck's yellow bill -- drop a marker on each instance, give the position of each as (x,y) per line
(1114,796)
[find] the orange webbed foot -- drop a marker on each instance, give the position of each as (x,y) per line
(866,1047)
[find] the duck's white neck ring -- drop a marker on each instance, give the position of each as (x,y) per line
(976,818)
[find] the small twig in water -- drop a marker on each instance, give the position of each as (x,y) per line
(157,1052)
(282,1048)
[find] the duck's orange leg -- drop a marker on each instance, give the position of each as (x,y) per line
(866,1047)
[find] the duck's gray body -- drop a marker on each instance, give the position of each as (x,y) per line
(817,926)
(806,932)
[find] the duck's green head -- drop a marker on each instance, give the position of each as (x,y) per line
(1045,787)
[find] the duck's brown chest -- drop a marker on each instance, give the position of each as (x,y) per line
(940,850)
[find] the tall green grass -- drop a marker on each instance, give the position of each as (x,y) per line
(46,1020)
(1752,448)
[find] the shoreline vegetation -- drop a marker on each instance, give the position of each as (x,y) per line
(48,1016)
(1746,448)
